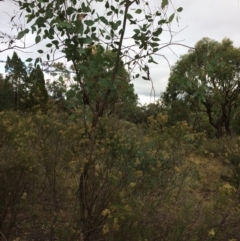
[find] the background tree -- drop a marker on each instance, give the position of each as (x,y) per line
(1,80)
(23,87)
(208,77)
(57,85)
(2,95)
(38,94)
(16,82)
(178,110)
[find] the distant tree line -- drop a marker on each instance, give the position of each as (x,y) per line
(203,90)
(23,87)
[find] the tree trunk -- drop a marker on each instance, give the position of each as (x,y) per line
(227,127)
(219,131)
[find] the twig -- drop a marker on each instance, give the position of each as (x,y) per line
(3,236)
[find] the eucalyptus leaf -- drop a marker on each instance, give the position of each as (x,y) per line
(21,34)
(89,22)
(164,3)
(171,18)
(104,20)
(37,39)
(180,9)
(138,11)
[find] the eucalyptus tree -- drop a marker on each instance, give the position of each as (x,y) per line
(122,94)
(81,32)
(208,78)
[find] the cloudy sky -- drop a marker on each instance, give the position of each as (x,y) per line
(215,19)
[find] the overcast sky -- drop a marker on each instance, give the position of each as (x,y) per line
(215,19)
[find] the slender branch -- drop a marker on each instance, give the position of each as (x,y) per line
(128,4)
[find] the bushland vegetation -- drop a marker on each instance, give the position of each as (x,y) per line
(149,178)
(82,160)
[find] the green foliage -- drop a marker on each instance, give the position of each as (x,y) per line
(16,83)
(23,88)
(87,173)
(38,94)
(78,27)
(2,93)
(94,43)
(140,181)
(207,78)
(179,111)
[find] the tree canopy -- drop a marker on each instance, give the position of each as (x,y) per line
(23,87)
(16,81)
(208,78)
